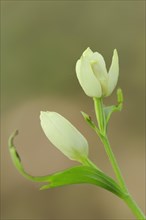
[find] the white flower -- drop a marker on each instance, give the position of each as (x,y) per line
(64,136)
(93,76)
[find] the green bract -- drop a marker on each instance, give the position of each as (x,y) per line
(64,136)
(93,76)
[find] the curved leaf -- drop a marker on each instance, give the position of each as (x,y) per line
(74,175)
(84,174)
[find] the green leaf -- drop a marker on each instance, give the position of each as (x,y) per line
(17,161)
(74,175)
(108,110)
(120,97)
(83,174)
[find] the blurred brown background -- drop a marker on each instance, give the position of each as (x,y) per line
(41,42)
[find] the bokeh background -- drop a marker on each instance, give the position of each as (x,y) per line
(41,42)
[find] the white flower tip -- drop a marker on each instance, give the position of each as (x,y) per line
(87,52)
(41,113)
(115,54)
(115,50)
(47,113)
(44,115)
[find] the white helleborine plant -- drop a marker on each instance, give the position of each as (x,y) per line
(93,76)
(64,136)
(97,83)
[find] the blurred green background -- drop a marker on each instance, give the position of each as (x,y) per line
(41,42)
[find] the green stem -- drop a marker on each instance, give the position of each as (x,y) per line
(114,162)
(98,105)
(128,199)
(88,162)
(100,115)
(134,207)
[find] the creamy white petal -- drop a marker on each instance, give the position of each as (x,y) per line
(92,74)
(113,73)
(78,66)
(98,65)
(99,69)
(87,79)
(88,52)
(64,135)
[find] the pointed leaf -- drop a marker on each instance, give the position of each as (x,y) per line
(83,174)
(108,110)
(74,175)
(17,161)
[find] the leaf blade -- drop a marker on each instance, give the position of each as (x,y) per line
(74,175)
(83,174)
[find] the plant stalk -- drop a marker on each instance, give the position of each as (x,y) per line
(114,163)
(100,115)
(134,208)
(128,199)
(98,105)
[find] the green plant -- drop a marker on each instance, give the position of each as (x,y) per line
(98,84)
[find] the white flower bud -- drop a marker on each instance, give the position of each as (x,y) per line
(64,136)
(93,76)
